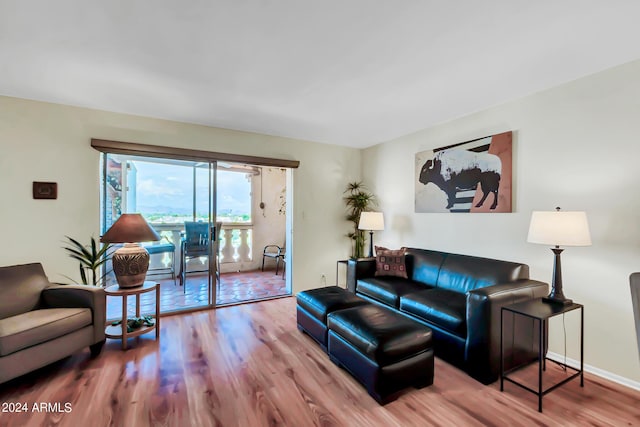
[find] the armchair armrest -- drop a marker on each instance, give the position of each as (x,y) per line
(79,296)
(484,305)
(358,269)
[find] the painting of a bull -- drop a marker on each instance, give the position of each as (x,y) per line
(461,170)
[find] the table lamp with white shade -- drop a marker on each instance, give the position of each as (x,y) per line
(371,221)
(559,228)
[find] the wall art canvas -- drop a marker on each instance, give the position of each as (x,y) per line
(473,176)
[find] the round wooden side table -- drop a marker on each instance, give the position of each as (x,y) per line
(120,331)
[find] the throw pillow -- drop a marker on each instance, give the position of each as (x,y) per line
(390,262)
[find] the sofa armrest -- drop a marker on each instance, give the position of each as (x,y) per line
(358,269)
(79,296)
(484,305)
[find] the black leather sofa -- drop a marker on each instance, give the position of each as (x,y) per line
(460,298)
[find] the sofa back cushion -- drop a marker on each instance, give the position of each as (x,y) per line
(20,288)
(423,265)
(462,273)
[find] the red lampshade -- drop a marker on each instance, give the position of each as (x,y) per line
(130,228)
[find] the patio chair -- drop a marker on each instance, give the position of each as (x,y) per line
(274,252)
(195,244)
(162,248)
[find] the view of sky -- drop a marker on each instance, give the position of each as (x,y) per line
(167,188)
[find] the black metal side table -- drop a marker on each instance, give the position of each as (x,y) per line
(340,261)
(541,311)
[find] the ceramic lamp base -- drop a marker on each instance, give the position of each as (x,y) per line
(130,265)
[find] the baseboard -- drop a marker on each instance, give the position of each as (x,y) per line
(596,371)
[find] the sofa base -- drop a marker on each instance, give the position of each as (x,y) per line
(96,348)
(32,358)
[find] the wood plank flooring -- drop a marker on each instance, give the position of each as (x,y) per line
(248,365)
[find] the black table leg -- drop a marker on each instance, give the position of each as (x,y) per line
(544,359)
(540,364)
(581,346)
(501,350)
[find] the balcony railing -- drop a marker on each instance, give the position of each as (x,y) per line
(235,246)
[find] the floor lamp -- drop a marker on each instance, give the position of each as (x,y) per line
(559,228)
(371,221)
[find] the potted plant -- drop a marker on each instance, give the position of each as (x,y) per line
(358,199)
(90,258)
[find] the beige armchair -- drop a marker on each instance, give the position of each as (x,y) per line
(41,322)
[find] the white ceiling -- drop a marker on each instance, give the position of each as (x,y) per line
(348,72)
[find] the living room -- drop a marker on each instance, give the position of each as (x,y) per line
(573,146)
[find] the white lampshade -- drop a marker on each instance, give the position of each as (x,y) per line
(559,228)
(371,221)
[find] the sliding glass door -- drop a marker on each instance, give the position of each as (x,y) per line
(177,198)
(220,224)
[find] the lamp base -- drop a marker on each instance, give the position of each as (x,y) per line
(557,296)
(370,244)
(557,301)
(130,265)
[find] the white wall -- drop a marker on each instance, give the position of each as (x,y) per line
(48,142)
(576,146)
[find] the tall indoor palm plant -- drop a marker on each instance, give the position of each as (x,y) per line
(90,258)
(358,199)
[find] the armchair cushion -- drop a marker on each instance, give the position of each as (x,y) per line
(79,296)
(20,288)
(37,326)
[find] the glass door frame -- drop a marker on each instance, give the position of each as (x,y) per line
(213,234)
(211,167)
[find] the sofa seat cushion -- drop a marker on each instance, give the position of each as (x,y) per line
(442,307)
(388,290)
(37,326)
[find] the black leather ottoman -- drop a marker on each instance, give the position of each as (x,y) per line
(314,305)
(382,349)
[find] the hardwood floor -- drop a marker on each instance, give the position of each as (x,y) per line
(248,365)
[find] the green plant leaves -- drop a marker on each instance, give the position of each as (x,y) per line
(89,258)
(358,199)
